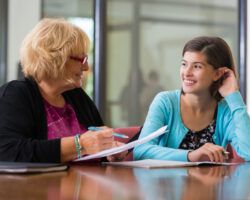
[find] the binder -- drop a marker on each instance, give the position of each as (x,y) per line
(25,167)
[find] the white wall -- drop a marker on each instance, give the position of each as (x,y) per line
(23,15)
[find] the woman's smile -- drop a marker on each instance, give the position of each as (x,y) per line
(189,82)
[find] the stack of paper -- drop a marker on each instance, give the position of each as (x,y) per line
(148,163)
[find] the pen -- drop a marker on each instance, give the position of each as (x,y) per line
(224,153)
(93,128)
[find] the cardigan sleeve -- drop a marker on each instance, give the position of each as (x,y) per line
(156,118)
(238,126)
(19,137)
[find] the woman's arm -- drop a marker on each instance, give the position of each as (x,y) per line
(237,123)
(158,115)
(238,126)
(91,142)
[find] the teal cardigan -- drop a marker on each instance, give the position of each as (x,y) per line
(232,126)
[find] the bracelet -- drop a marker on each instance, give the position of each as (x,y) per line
(79,148)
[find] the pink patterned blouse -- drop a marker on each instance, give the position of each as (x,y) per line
(62,122)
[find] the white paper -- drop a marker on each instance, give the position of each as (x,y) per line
(148,163)
(125,147)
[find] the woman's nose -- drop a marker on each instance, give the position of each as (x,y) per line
(85,67)
(188,70)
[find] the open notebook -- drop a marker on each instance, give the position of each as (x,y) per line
(148,163)
(24,167)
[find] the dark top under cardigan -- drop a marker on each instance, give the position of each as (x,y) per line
(23,125)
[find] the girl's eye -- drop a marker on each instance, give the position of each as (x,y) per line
(197,66)
(183,64)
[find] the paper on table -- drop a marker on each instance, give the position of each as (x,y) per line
(148,163)
(125,147)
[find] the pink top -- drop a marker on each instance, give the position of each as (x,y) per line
(62,122)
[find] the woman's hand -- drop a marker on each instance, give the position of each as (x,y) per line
(95,141)
(208,152)
(229,83)
(118,156)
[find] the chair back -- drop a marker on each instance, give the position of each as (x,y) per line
(133,133)
(233,155)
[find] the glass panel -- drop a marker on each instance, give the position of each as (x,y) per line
(119,69)
(80,13)
(145,45)
(121,12)
(3,40)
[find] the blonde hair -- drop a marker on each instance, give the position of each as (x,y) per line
(46,49)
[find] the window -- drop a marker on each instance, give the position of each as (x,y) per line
(3,40)
(80,13)
(144,44)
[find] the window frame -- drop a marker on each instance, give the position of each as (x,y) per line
(3,39)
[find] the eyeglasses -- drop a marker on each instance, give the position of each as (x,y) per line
(81,60)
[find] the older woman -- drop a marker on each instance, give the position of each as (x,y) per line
(42,117)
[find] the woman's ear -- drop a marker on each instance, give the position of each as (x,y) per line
(219,73)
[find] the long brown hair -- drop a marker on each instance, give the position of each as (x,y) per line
(217,53)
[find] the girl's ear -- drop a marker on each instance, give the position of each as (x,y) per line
(219,73)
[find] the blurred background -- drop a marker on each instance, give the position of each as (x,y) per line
(136,45)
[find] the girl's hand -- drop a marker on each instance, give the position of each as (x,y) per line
(229,83)
(208,152)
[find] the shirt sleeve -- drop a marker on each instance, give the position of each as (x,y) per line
(156,148)
(238,127)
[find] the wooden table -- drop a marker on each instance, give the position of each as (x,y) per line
(93,181)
